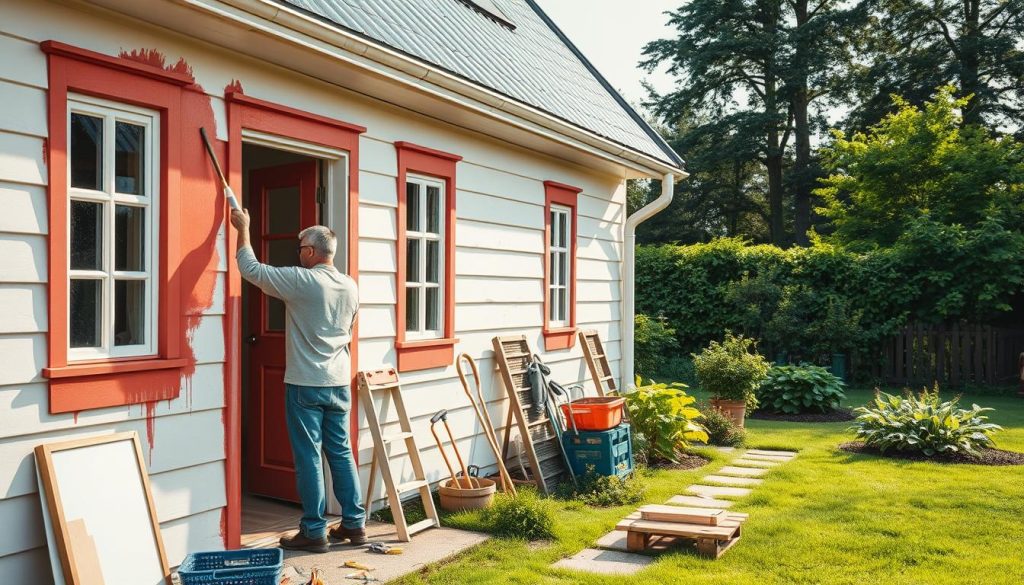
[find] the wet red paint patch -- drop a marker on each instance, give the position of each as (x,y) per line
(234,87)
(155,58)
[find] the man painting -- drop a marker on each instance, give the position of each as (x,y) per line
(320,310)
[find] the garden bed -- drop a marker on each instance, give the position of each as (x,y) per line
(837,415)
(684,462)
(983,457)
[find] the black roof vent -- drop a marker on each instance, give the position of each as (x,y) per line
(490,10)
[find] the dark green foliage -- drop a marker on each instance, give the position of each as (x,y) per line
(654,341)
(413,511)
(604,491)
(526,516)
(732,369)
(798,389)
(923,424)
(721,430)
(663,420)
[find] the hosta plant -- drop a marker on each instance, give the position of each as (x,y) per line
(797,389)
(662,415)
(924,424)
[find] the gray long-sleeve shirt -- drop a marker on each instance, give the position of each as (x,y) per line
(320,309)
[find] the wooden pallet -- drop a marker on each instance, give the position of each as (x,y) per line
(597,362)
(714,531)
(539,436)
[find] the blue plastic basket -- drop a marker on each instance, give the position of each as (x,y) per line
(257,566)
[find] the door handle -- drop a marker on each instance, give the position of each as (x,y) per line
(251,340)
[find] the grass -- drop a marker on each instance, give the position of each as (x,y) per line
(826,517)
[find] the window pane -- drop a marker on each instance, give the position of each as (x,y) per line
(129,238)
(129,312)
(433,210)
(412,309)
(552,304)
(129,153)
(433,260)
(433,308)
(553,275)
(554,228)
(283,210)
(85,313)
(86,152)
(86,235)
(563,261)
(412,261)
(275,314)
(282,252)
(563,220)
(563,298)
(412,207)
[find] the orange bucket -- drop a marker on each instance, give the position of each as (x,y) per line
(594,414)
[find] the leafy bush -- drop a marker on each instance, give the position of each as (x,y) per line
(721,430)
(526,516)
(923,424)
(732,369)
(664,420)
(603,491)
(654,341)
(797,389)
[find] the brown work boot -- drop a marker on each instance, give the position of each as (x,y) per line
(299,541)
(340,534)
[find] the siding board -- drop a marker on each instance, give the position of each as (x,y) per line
(24,209)
(24,308)
(21,159)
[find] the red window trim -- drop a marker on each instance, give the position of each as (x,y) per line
(245,112)
(565,195)
(116,382)
(428,353)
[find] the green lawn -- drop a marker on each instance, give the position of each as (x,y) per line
(826,517)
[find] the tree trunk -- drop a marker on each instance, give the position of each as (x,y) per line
(970,47)
(802,137)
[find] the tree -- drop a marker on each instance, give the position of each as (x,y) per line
(763,70)
(918,45)
(921,162)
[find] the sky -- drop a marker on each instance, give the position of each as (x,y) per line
(612,34)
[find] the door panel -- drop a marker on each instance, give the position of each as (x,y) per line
(282,201)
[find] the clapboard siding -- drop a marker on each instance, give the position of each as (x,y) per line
(24,110)
(23,62)
(24,209)
(21,159)
(24,308)
(24,258)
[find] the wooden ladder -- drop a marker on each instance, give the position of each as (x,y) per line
(597,362)
(386,381)
(537,431)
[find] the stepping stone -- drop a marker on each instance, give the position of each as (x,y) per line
(769,452)
(616,540)
(755,463)
(742,471)
(767,457)
(607,562)
(724,449)
(733,480)
(699,502)
(715,491)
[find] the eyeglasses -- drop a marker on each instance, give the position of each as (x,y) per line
(299,249)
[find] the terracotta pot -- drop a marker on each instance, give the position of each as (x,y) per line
(735,410)
(460,496)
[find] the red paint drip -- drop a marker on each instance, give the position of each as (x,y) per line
(155,58)
(234,87)
(150,426)
(76,416)
(46,151)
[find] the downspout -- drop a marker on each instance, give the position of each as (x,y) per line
(629,271)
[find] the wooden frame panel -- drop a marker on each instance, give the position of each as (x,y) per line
(566,196)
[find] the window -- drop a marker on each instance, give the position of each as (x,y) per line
(112,213)
(425,312)
(559,265)
(424,258)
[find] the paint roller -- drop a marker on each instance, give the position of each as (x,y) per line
(232,201)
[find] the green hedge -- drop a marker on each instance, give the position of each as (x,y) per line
(808,302)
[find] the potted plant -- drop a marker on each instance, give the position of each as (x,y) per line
(731,371)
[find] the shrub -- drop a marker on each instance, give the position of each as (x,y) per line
(525,516)
(721,430)
(603,491)
(732,369)
(654,341)
(923,424)
(661,414)
(797,389)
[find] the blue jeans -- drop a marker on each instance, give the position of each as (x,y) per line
(319,416)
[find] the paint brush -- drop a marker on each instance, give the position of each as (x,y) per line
(232,201)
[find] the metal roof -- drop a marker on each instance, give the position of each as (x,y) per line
(533,63)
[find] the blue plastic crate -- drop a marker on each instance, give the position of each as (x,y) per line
(256,566)
(609,452)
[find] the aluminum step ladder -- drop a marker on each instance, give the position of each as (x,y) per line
(386,382)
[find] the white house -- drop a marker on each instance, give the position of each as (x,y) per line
(450,143)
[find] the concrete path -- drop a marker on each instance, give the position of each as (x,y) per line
(730,480)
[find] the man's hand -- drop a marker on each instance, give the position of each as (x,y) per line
(240,219)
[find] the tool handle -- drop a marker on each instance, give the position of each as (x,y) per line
(441,415)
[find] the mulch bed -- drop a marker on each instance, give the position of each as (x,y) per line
(984,456)
(686,461)
(837,415)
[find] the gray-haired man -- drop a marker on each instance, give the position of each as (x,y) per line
(320,310)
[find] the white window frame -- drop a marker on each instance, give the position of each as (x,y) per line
(423,237)
(112,112)
(559,255)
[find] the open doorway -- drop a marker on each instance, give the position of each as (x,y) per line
(285,190)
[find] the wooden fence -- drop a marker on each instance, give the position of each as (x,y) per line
(951,355)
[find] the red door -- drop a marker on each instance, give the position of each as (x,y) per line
(282,202)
